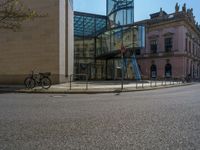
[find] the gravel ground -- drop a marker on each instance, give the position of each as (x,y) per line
(150,120)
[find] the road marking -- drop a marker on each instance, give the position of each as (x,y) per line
(57,96)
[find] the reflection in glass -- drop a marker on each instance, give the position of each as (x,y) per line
(116,39)
(120,12)
(105,42)
(130,37)
(99,39)
(86,28)
(139,36)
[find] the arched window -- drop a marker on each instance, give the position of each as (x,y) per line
(168,70)
(153,71)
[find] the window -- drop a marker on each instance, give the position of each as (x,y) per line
(190,46)
(168,44)
(193,49)
(186,44)
(168,70)
(153,71)
(137,51)
(153,46)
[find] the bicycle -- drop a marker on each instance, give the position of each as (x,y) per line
(41,79)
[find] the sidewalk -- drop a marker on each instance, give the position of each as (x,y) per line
(93,87)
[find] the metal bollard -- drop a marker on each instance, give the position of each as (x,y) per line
(70,82)
(136,84)
(86,82)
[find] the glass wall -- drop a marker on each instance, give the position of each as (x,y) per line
(99,39)
(120,12)
(86,28)
(108,46)
(131,38)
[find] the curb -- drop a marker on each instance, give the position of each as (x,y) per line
(41,91)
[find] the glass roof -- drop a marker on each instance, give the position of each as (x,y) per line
(88,25)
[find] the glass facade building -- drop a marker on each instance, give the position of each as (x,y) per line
(99,41)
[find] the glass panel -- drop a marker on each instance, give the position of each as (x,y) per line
(110,69)
(89,26)
(89,48)
(120,18)
(116,39)
(112,40)
(78,52)
(130,17)
(139,35)
(120,12)
(100,25)
(128,38)
(110,4)
(78,25)
(105,42)
(99,45)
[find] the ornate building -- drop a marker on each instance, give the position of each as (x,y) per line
(172,45)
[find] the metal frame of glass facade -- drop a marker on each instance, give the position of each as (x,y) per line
(86,28)
(98,40)
(89,25)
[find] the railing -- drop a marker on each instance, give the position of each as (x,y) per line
(154,82)
(78,75)
(106,85)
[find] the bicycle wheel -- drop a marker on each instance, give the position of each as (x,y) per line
(46,83)
(29,83)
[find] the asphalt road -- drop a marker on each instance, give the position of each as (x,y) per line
(151,120)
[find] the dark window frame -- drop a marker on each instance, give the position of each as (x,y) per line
(154,46)
(186,44)
(153,70)
(168,70)
(168,44)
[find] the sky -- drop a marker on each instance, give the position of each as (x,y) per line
(142,7)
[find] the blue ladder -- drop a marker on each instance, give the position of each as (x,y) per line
(135,68)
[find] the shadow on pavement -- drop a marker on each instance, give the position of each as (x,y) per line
(10,89)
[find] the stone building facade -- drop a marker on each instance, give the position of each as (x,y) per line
(172,45)
(43,44)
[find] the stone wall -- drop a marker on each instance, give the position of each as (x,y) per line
(36,46)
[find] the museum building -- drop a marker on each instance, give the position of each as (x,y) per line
(172,45)
(165,46)
(99,41)
(104,47)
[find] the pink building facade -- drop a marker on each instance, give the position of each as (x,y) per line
(172,46)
